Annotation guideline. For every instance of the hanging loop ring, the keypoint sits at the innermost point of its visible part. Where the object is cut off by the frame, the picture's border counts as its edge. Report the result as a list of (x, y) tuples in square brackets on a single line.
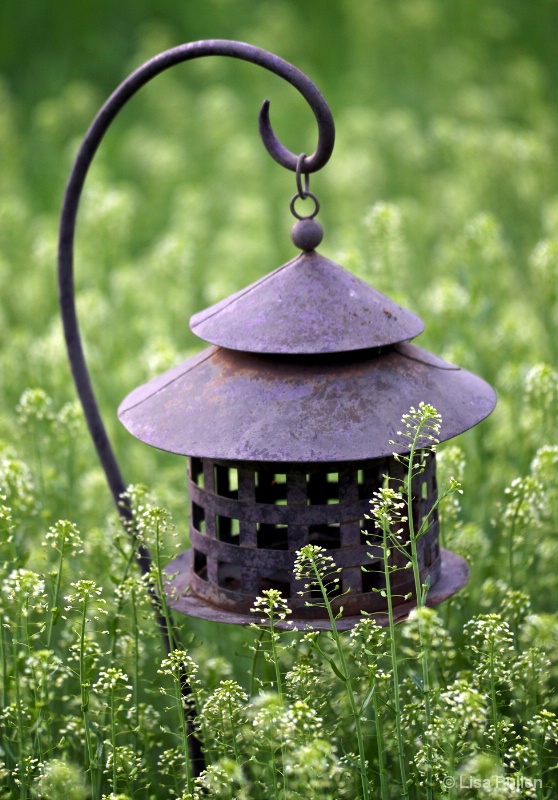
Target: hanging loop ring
[(302, 192), (300, 197)]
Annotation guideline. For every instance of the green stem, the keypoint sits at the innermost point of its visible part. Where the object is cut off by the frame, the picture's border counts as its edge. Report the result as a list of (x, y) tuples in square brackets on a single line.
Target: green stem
[(20, 739), (348, 684), (184, 733), (494, 700), (451, 769), (55, 610), (274, 774), (36, 441), (112, 651), (384, 785), (511, 538), (37, 705), (393, 651), (5, 690), (421, 603), (275, 657), (160, 584), (70, 472), (113, 642), (254, 663), (135, 686), (90, 757), (233, 735), (113, 741), (539, 750), (4, 661), (53, 619)]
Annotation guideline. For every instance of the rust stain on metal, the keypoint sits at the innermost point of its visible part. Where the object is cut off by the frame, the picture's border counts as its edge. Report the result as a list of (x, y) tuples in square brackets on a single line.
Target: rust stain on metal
[(310, 305), (238, 406)]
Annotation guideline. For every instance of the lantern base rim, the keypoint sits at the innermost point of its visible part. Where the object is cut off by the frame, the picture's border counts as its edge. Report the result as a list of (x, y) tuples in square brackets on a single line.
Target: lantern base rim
[(454, 575)]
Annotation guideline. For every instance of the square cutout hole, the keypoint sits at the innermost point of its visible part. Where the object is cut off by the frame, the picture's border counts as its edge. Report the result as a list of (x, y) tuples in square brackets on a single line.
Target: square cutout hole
[(200, 565), (227, 529), (272, 537), (328, 536)]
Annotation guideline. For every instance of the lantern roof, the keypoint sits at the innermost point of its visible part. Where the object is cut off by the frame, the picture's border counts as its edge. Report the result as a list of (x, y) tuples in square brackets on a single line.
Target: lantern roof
[(309, 305), (238, 406), (308, 365)]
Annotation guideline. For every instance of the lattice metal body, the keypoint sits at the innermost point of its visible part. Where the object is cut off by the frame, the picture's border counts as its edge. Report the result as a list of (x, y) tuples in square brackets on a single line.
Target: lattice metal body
[(287, 447), (247, 522)]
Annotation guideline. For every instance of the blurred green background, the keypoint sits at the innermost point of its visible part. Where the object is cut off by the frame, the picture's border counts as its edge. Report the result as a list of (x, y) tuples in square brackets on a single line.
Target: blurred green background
[(442, 192)]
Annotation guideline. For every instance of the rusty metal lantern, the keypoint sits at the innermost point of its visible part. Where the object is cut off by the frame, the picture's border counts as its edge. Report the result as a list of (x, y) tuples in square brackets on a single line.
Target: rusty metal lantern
[(286, 422), (286, 418)]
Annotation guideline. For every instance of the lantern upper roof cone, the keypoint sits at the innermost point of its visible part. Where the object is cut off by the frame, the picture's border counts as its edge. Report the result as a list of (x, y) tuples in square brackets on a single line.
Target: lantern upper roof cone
[(309, 305), (309, 364)]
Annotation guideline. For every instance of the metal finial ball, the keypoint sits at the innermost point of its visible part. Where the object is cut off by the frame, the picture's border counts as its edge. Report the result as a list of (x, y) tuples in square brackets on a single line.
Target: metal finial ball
[(307, 234)]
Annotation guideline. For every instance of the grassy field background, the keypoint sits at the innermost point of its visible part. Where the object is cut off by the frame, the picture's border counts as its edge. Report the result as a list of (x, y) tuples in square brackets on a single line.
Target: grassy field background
[(442, 192)]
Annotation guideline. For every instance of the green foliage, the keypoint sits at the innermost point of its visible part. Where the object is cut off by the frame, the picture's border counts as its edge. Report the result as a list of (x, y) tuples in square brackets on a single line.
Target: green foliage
[(443, 193)]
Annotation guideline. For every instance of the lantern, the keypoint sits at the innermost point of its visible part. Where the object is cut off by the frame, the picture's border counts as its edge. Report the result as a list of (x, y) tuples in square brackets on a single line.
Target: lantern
[(286, 419)]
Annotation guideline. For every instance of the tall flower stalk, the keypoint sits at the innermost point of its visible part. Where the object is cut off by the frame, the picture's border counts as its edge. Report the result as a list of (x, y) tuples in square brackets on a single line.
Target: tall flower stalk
[(392, 509), (368, 648), (386, 511), (65, 540), (490, 641), (86, 600), (319, 570), (111, 682), (421, 428), (182, 670), (274, 608)]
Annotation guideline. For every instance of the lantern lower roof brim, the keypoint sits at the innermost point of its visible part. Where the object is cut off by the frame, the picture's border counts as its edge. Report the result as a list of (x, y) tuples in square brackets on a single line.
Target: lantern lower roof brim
[(228, 405), (454, 574), (309, 305)]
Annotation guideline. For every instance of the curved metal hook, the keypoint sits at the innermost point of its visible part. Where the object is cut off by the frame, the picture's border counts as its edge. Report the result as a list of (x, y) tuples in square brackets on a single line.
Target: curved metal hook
[(86, 153), (326, 140)]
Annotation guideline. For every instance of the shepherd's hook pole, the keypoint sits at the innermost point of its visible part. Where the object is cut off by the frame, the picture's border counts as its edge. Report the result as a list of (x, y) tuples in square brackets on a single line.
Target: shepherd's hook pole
[(86, 153)]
